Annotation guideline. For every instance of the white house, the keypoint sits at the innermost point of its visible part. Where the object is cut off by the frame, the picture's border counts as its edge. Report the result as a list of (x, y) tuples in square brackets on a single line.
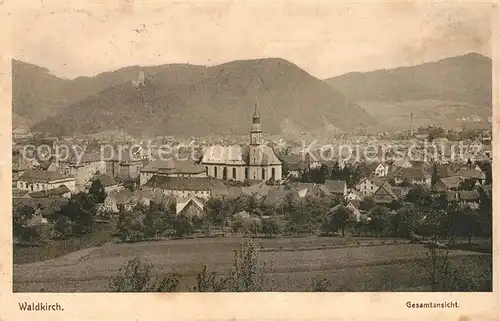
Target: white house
[(381, 170), (35, 180)]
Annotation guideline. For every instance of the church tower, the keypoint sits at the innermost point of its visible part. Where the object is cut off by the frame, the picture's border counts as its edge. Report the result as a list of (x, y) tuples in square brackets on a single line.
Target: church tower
[(256, 130)]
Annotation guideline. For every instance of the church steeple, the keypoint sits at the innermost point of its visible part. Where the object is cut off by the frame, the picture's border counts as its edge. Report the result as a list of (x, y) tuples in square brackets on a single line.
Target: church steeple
[(256, 116), (256, 130)]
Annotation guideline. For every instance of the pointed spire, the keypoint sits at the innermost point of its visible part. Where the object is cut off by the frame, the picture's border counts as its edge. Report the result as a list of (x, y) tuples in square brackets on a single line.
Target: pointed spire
[(255, 112)]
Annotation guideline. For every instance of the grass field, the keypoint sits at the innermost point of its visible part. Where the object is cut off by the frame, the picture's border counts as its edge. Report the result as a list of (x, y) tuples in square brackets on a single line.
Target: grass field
[(52, 249), (384, 267)]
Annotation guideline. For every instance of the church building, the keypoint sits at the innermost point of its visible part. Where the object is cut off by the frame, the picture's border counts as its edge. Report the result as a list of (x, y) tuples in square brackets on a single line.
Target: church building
[(256, 161)]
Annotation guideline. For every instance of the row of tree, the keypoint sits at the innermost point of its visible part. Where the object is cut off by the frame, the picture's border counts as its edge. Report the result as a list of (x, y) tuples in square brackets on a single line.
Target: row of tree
[(74, 218)]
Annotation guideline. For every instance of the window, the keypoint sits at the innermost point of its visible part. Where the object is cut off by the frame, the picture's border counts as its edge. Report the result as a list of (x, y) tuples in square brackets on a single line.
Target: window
[(224, 173), (37, 186), (215, 172), (246, 172), (234, 172), (273, 173), (263, 173)]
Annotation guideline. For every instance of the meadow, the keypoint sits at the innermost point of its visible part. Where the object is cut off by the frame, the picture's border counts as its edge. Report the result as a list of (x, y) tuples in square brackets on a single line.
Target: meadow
[(350, 264)]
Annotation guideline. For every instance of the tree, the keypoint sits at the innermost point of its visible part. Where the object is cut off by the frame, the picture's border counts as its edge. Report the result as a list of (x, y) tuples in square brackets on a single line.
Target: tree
[(467, 185), (207, 282), (182, 226), (270, 227), (20, 217), (367, 203), (245, 275), (97, 191), (435, 176), (216, 212), (63, 227), (320, 284), (136, 277), (472, 224), (337, 219), (379, 220), (419, 196), (131, 226), (405, 222)]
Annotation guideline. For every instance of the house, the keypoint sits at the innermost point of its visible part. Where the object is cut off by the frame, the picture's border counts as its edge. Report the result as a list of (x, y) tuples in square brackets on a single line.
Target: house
[(295, 164), (401, 191), (126, 200), (381, 170), (472, 174), (402, 163), (420, 164), (18, 193), (353, 195), (189, 207), (37, 219), (49, 165), (445, 184), (61, 191), (412, 175), (115, 201), (276, 196), (171, 168), (20, 165), (200, 187), (85, 168), (258, 190), (384, 195), (353, 206), (307, 189), (35, 180), (368, 186), (108, 182), (122, 163), (469, 198), (336, 187)]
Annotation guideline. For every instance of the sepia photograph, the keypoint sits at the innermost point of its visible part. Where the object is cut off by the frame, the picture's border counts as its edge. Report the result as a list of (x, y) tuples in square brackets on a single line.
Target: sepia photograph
[(252, 147)]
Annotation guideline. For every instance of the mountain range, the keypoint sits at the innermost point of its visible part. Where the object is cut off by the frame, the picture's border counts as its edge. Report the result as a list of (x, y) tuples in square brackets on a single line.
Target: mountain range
[(436, 93), (191, 100)]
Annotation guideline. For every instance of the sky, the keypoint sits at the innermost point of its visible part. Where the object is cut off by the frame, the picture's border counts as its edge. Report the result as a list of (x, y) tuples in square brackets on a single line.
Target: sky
[(324, 38)]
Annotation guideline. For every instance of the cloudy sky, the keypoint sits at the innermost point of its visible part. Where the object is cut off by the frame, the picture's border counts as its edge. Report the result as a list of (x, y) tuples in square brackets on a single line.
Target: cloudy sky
[(324, 38)]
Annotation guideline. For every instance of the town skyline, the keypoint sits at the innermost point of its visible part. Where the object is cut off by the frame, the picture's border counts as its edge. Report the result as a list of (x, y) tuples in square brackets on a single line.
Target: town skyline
[(345, 37)]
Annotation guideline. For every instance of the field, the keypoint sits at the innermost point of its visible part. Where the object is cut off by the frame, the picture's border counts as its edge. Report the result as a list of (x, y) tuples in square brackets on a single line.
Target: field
[(291, 263)]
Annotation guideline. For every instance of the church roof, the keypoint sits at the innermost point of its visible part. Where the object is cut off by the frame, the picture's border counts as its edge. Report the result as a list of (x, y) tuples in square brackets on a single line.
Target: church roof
[(219, 154), (263, 155)]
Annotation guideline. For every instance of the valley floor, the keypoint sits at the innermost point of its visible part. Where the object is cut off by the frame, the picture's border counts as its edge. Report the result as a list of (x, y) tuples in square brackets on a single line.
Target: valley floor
[(290, 263)]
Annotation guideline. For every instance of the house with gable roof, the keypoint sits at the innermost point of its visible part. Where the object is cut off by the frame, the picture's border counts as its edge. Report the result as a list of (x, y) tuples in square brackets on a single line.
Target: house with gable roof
[(384, 195)]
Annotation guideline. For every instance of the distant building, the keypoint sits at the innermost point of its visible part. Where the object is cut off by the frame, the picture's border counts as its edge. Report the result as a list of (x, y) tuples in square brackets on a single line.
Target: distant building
[(199, 187), (254, 162), (336, 187), (171, 168), (412, 175), (108, 182)]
